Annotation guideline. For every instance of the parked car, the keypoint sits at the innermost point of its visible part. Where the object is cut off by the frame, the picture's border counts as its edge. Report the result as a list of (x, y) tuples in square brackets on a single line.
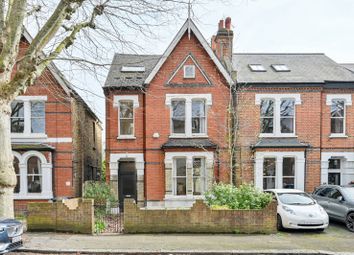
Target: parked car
[(10, 235), (297, 210), (338, 201)]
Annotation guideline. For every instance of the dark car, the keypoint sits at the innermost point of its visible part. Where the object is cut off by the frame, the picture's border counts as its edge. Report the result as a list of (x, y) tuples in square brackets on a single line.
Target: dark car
[(338, 201), (10, 235)]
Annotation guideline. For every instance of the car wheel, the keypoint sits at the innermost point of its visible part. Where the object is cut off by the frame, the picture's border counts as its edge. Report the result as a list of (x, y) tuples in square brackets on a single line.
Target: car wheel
[(349, 221), (279, 223)]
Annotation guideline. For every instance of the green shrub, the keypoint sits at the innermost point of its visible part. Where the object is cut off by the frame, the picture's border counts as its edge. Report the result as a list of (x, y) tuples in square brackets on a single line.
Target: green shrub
[(101, 192), (244, 197), (100, 226)]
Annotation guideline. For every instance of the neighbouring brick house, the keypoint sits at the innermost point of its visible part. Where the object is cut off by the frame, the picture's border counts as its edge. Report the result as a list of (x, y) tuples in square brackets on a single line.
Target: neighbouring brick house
[(196, 114), (56, 139)]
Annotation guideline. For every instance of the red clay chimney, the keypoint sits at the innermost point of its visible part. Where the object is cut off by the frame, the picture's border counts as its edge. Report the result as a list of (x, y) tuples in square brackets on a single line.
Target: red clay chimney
[(222, 42)]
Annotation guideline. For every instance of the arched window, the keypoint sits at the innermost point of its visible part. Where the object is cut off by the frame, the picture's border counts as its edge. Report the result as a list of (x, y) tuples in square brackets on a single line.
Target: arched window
[(17, 171), (34, 175)]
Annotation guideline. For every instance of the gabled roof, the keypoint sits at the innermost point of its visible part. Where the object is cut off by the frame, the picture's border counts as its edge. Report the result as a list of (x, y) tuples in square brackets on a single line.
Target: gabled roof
[(117, 78), (304, 68), (349, 66), (189, 25), (63, 82)]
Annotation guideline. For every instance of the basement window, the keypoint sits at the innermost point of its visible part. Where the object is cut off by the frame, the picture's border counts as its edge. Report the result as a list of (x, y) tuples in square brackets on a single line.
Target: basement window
[(132, 69), (257, 68), (280, 68)]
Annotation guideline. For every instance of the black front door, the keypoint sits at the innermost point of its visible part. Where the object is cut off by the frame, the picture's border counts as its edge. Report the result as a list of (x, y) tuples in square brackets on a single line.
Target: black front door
[(126, 181), (334, 178)]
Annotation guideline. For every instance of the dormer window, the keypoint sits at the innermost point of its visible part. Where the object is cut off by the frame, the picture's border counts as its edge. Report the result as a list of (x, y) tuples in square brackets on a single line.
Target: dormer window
[(189, 71)]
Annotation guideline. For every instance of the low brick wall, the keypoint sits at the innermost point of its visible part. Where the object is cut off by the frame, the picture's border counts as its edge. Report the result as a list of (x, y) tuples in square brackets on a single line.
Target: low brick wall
[(199, 219), (72, 215)]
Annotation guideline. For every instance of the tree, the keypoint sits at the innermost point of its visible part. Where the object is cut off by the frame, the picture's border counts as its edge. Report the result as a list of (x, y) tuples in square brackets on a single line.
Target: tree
[(60, 23)]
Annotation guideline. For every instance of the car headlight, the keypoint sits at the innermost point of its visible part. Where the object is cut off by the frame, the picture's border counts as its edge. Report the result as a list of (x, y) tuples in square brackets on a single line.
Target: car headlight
[(289, 210)]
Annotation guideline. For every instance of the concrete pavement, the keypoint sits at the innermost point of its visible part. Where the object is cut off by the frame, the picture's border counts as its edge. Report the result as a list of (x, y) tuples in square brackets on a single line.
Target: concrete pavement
[(336, 239)]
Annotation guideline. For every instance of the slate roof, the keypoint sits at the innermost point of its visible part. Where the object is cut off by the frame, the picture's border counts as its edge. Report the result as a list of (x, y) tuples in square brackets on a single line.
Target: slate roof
[(349, 66), (38, 147), (304, 68), (189, 143), (116, 78), (279, 143)]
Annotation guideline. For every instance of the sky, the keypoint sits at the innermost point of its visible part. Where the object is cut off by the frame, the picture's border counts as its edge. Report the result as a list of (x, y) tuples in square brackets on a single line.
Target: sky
[(292, 26)]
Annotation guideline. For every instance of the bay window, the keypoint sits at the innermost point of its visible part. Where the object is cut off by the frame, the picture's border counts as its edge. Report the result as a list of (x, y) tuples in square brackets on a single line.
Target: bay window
[(34, 175), (269, 173), (288, 173)]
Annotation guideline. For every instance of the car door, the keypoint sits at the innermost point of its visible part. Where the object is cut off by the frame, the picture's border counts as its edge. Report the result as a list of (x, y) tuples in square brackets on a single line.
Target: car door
[(321, 196), (337, 205)]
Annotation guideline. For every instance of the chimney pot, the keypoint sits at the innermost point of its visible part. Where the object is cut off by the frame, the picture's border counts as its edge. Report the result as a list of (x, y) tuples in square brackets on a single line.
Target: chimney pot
[(221, 24), (228, 23)]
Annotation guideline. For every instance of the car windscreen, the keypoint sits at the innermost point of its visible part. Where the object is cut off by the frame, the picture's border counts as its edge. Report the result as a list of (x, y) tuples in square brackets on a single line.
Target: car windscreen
[(349, 191), (295, 199)]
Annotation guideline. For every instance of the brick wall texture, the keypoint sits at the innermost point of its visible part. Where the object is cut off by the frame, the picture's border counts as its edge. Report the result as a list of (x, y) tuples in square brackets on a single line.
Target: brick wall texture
[(199, 219), (73, 215)]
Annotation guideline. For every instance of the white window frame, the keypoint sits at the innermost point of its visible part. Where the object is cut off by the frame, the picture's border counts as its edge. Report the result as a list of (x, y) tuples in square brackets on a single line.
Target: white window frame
[(27, 134), (46, 168), (175, 177), (347, 98), (185, 74), (347, 162), (299, 168), (116, 103), (276, 120), (207, 98), (202, 175)]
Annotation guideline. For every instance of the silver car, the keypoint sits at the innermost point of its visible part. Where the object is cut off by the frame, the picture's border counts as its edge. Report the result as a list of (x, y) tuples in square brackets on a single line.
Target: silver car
[(338, 201)]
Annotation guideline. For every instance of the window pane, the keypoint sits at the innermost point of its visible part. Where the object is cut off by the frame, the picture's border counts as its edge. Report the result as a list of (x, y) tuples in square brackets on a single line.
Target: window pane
[(337, 125), (17, 109), (181, 186), (269, 183), (17, 117), (334, 164), (126, 109), (269, 167), (288, 166), (198, 173), (37, 109), (267, 108), (198, 125), (198, 108), (287, 125), (267, 125), (126, 126), (38, 125), (287, 107), (17, 125), (197, 186), (181, 167), (34, 172), (337, 108), (289, 183), (197, 166), (17, 171), (178, 116)]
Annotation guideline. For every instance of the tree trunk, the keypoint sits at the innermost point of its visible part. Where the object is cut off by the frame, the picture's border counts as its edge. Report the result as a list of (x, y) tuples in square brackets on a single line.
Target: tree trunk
[(7, 173)]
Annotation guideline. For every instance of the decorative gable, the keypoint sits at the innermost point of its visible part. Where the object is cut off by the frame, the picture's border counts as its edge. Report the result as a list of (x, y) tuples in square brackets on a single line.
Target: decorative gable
[(189, 73)]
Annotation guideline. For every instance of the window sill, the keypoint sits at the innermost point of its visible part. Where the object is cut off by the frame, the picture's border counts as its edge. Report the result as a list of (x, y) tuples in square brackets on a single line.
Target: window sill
[(278, 135), (33, 196), (127, 137), (338, 136), (187, 136), (21, 137)]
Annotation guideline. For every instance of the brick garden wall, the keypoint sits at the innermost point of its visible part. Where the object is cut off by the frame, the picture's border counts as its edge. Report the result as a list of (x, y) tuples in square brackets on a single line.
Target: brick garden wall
[(199, 219), (73, 215)]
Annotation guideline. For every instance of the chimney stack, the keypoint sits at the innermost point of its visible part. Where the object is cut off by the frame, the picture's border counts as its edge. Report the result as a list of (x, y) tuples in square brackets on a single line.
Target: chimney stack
[(221, 43)]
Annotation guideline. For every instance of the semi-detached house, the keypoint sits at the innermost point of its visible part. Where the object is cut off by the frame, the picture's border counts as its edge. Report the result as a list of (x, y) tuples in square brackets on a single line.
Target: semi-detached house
[(199, 113)]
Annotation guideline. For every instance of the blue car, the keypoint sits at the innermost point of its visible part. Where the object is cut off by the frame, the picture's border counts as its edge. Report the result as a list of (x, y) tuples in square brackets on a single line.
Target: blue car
[(10, 235)]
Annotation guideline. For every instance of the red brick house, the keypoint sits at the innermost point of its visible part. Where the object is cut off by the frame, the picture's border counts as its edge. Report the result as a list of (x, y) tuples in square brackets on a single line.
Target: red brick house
[(198, 113), (56, 139)]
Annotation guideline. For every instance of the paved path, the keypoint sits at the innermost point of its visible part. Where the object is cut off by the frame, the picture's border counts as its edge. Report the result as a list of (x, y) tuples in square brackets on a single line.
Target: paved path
[(335, 239)]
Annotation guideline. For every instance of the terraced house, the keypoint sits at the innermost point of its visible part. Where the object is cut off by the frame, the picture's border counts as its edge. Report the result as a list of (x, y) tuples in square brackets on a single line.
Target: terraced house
[(200, 113), (56, 139)]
